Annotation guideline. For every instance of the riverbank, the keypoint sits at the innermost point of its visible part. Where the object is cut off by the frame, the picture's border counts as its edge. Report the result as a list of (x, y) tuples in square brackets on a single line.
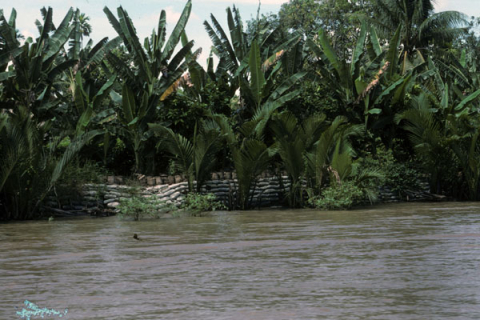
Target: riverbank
[(169, 191)]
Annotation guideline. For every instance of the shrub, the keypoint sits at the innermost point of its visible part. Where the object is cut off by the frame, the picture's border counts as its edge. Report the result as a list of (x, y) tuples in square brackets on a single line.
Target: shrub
[(338, 196), (399, 176), (197, 203), (138, 207), (75, 176)]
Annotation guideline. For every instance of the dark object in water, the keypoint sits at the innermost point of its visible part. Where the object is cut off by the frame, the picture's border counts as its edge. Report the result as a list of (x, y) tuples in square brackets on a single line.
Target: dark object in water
[(136, 237)]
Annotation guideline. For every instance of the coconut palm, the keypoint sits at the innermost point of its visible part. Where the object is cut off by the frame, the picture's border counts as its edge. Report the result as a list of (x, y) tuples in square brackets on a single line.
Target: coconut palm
[(420, 25), (81, 28)]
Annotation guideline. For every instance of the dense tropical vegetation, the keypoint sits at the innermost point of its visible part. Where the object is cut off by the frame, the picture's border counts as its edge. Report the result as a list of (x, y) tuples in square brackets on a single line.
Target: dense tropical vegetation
[(373, 92)]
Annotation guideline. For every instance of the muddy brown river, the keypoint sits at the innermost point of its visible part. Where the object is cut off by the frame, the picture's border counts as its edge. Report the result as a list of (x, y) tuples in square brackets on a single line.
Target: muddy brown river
[(401, 261)]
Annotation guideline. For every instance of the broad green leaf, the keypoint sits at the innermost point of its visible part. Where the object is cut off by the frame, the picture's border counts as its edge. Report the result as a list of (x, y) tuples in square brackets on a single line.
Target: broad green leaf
[(374, 41), (131, 123), (5, 75), (463, 58), (401, 90), (392, 54), (84, 120), (444, 102), (360, 86), (386, 92), (60, 37), (328, 51), (103, 92), (128, 103), (374, 111), (286, 86), (177, 32), (359, 50), (236, 33), (257, 81), (462, 105), (7, 56)]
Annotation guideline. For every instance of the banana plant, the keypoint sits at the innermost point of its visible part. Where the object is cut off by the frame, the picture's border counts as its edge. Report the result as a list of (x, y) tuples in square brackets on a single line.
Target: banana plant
[(210, 87), (351, 79), (81, 28), (250, 154), (30, 83), (89, 102), (371, 77), (154, 68), (230, 53), (450, 87), (263, 94), (9, 45), (252, 65)]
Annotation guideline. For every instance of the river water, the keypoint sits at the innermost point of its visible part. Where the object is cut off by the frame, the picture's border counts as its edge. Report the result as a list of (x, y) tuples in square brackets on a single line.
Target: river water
[(402, 261)]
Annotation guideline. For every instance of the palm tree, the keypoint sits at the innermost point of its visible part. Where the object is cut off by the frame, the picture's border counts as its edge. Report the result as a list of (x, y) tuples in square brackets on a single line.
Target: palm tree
[(250, 155), (443, 126), (29, 164), (420, 25), (195, 158), (81, 28), (292, 141), (85, 27)]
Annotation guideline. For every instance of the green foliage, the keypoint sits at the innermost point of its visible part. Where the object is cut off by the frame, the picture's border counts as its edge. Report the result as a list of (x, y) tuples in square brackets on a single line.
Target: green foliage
[(30, 83), (75, 176), (292, 141), (251, 156), (338, 197), (401, 176), (418, 23), (149, 77), (301, 15), (443, 126), (138, 208), (172, 169), (196, 203), (314, 98), (196, 157), (406, 80), (340, 18), (79, 174), (30, 166), (182, 113)]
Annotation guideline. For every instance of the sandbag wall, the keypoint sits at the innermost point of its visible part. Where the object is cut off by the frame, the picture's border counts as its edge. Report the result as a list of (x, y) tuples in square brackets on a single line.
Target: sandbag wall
[(171, 190)]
